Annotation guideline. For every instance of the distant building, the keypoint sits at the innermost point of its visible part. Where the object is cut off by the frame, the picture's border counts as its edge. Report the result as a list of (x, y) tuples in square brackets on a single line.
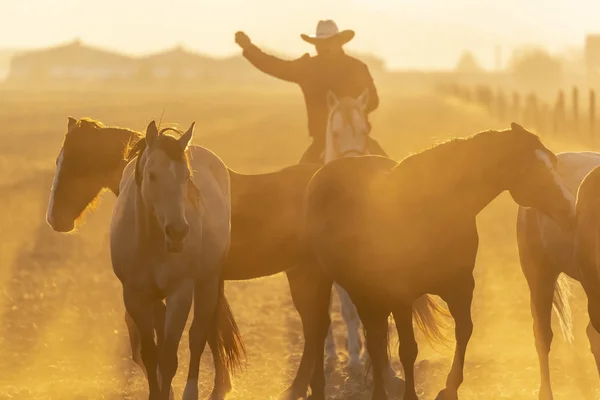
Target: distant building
[(73, 62), (592, 59), (175, 63)]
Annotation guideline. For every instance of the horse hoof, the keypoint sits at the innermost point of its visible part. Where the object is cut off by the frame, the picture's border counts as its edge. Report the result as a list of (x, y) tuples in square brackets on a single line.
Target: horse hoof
[(191, 391), (216, 396), (446, 395), (330, 364), (395, 386), (291, 394)]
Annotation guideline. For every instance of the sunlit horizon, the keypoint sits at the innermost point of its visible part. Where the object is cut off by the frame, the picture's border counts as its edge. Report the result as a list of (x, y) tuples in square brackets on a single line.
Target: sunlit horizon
[(428, 34)]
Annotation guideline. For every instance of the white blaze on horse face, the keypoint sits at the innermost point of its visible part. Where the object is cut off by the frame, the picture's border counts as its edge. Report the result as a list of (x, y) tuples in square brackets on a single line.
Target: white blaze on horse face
[(50, 211), (543, 156), (346, 137), (173, 169), (336, 126), (359, 122)]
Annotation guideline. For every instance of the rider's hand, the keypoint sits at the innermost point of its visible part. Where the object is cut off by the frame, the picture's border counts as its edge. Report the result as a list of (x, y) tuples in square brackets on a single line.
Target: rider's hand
[(242, 40)]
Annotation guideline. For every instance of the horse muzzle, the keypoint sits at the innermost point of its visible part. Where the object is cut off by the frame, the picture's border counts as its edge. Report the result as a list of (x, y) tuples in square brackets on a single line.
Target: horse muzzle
[(60, 224), (175, 235)]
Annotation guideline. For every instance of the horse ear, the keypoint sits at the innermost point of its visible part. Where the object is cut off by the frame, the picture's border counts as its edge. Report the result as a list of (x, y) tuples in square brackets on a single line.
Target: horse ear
[(151, 134), (332, 99), (186, 138), (71, 123), (363, 99), (516, 127)]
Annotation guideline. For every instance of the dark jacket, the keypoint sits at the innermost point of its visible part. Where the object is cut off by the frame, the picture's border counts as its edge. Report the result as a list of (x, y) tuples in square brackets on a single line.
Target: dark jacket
[(340, 73)]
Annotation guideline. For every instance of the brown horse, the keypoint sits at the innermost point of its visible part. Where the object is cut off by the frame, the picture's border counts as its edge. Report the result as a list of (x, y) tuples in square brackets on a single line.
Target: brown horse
[(546, 255), (388, 232)]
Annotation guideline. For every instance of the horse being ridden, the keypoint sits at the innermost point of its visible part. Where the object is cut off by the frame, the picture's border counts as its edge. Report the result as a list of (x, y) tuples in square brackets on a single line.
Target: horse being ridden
[(546, 256), (347, 134), (169, 236), (389, 233)]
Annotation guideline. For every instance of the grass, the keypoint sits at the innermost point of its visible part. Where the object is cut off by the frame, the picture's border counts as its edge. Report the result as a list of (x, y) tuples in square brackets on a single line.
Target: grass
[(62, 334)]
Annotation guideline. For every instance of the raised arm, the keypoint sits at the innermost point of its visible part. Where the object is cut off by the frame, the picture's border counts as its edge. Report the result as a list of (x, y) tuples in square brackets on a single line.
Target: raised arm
[(287, 70)]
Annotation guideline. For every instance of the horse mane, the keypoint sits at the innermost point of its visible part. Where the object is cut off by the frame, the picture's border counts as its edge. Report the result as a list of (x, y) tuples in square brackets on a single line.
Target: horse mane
[(442, 160), (89, 123)]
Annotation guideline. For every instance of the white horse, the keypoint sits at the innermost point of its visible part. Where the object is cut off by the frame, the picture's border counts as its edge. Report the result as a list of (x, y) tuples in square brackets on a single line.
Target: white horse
[(347, 136), (545, 253), (169, 236)]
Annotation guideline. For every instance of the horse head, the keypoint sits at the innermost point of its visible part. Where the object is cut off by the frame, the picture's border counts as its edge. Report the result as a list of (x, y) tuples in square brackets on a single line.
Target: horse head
[(347, 127)]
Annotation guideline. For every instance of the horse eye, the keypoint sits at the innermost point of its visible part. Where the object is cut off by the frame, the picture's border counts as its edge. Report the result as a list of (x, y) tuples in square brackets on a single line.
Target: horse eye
[(152, 176)]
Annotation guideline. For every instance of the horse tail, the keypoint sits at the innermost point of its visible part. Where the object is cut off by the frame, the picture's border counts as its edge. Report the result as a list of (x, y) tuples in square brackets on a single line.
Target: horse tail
[(427, 314), (562, 307), (226, 335)]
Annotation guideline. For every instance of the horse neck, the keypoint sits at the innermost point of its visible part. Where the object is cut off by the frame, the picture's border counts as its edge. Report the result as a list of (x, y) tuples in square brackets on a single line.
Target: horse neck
[(117, 140), (464, 192)]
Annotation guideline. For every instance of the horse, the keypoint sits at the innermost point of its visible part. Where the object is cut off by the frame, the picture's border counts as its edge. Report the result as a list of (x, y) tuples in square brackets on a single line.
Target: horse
[(390, 232), (346, 136), (169, 234), (91, 162), (546, 257)]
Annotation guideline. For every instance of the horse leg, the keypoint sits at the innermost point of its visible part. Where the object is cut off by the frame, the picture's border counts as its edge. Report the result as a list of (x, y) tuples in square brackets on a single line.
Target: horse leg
[(311, 292), (204, 317), (160, 312), (134, 336), (135, 342), (593, 328), (541, 291), (178, 309), (331, 356), (408, 349), (354, 342), (459, 297), (143, 330), (375, 323)]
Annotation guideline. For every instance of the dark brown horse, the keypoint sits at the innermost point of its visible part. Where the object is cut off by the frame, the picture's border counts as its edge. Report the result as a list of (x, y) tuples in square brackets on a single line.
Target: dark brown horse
[(389, 233), (546, 255)]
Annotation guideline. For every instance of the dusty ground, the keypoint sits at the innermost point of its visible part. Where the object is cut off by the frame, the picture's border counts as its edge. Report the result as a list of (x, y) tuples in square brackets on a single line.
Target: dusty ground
[(62, 334)]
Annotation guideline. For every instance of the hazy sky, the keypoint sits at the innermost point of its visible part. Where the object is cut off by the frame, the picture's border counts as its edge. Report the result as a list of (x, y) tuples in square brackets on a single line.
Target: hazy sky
[(406, 33)]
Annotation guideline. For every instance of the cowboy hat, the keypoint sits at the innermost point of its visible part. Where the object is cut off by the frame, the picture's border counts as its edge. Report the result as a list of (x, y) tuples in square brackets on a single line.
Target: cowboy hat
[(328, 30)]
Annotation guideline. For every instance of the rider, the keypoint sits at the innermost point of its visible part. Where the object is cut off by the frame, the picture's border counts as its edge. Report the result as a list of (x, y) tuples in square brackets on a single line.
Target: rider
[(331, 69)]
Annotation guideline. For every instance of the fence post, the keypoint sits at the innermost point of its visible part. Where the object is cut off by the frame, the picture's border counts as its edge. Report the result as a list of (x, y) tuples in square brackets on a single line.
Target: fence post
[(592, 114), (575, 109), (559, 113)]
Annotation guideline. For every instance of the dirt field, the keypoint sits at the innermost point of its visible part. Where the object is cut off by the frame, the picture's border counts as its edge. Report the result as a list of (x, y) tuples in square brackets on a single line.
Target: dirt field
[(62, 334)]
